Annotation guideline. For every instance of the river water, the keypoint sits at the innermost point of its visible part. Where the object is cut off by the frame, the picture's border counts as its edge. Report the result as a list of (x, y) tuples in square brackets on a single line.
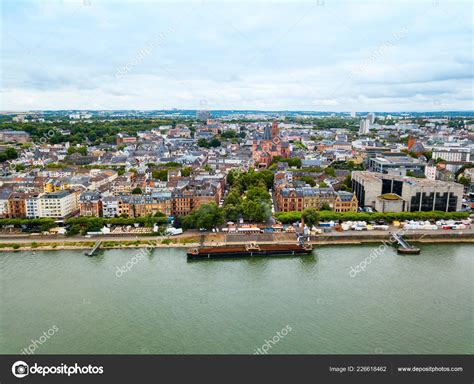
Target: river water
[(64, 302)]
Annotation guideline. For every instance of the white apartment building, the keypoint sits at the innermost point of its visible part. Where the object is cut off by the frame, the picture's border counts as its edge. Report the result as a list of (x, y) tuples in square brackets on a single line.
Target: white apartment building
[(110, 206), (430, 171), (452, 153), (31, 206), (364, 128), (58, 204), (3, 206)]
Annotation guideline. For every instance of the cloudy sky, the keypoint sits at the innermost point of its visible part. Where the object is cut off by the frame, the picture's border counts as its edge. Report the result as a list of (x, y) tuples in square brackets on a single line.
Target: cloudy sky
[(321, 55)]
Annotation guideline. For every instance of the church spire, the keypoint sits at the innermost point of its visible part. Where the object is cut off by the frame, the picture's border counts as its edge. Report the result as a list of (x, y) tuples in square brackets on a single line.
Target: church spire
[(267, 135)]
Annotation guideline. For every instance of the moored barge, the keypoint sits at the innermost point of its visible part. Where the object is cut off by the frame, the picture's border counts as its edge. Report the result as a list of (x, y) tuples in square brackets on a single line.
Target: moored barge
[(249, 250)]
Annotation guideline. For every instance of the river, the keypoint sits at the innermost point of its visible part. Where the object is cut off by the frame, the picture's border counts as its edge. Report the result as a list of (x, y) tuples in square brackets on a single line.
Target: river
[(64, 302)]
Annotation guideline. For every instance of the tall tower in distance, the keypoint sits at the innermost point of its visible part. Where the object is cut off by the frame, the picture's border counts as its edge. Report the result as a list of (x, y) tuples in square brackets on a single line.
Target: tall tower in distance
[(275, 130)]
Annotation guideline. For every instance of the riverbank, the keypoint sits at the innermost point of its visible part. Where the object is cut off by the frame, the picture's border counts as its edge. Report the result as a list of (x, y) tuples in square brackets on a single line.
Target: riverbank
[(54, 243)]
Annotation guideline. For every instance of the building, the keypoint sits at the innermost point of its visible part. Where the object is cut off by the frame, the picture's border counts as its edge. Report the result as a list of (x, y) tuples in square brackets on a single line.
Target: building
[(137, 205), (163, 202), (265, 149), (390, 202), (430, 170), (394, 161), (203, 115), (364, 127), (275, 131), (452, 154), (182, 203), (17, 205), (14, 136), (58, 205), (4, 195), (52, 185), (125, 139), (371, 117), (90, 204), (345, 202), (292, 199), (300, 198), (419, 194), (31, 204), (110, 206)]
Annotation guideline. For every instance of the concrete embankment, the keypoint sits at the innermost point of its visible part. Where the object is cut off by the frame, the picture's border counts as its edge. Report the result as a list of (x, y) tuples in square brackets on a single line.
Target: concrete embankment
[(44, 243), (439, 236)]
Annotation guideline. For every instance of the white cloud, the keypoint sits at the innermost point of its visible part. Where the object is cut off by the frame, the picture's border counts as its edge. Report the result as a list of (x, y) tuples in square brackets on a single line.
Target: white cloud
[(336, 56)]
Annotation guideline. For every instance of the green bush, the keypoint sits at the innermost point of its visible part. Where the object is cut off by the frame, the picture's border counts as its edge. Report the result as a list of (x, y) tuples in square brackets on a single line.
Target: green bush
[(291, 217)]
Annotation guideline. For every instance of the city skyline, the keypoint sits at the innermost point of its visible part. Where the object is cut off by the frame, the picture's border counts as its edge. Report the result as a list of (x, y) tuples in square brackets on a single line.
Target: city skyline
[(373, 56)]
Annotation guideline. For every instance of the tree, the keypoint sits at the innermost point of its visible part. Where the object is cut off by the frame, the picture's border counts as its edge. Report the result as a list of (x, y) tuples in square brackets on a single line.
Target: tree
[(322, 184), (74, 230), (203, 143), (186, 171), (232, 176), (256, 211), (215, 142), (330, 171), (229, 134), (325, 207), (464, 181), (232, 212), (19, 167), (308, 180), (207, 216), (310, 216), (251, 177), (292, 162), (137, 191), (233, 198), (258, 194), (11, 153), (161, 174)]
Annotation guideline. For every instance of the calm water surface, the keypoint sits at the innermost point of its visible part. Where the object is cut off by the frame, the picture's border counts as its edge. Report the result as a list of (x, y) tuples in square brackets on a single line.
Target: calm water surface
[(165, 304)]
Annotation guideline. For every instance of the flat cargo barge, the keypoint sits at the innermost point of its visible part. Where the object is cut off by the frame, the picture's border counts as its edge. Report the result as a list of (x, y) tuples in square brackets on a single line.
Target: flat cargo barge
[(249, 250)]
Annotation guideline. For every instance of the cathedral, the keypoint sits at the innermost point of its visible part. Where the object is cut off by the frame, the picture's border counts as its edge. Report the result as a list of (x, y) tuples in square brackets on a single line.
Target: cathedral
[(271, 145)]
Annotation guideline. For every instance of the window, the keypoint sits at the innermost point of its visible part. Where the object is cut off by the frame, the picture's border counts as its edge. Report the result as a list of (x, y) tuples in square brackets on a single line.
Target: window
[(415, 202), (441, 201), (427, 201), (453, 199)]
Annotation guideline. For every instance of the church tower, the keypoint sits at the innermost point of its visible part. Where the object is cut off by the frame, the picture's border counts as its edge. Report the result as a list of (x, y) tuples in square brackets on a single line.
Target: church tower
[(275, 130), (267, 134)]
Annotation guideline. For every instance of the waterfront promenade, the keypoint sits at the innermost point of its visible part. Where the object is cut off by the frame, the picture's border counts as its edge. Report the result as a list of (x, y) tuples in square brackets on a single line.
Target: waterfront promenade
[(192, 239)]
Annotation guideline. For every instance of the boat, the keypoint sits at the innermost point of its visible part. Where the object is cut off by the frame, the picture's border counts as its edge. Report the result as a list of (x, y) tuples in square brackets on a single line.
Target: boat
[(249, 250), (408, 251)]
